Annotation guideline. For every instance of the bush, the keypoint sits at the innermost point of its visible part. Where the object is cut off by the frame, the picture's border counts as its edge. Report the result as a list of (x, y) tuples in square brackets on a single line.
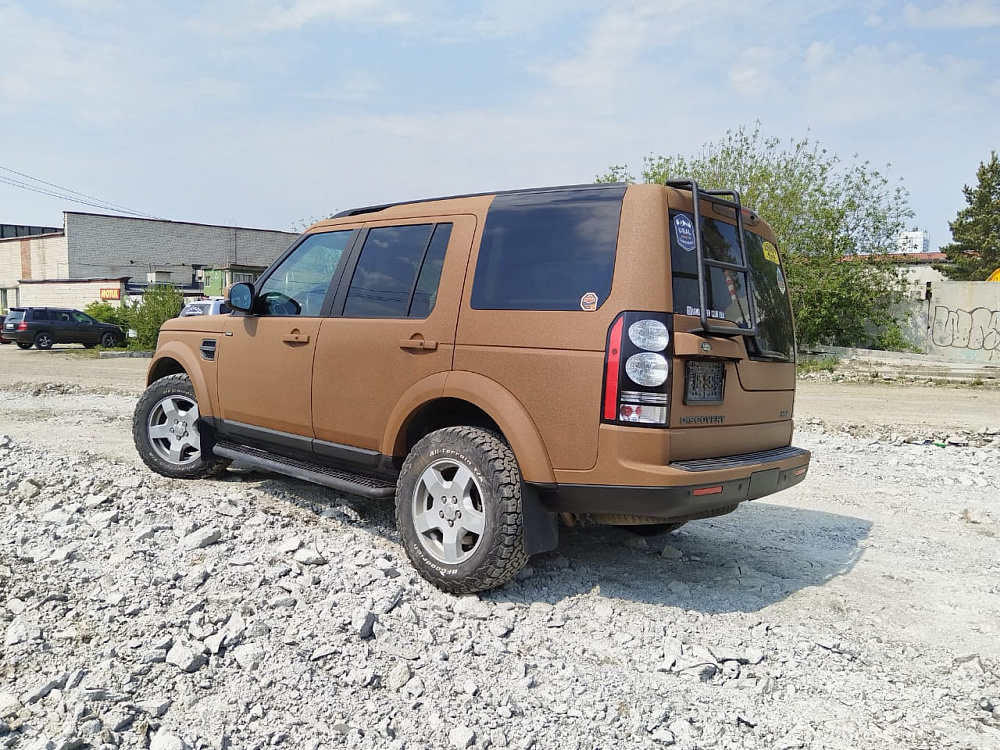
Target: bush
[(159, 304), (119, 315)]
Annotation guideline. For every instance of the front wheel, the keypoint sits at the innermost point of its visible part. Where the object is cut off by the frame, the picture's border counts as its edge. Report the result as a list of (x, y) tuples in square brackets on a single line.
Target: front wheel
[(109, 340), (167, 431), (458, 510)]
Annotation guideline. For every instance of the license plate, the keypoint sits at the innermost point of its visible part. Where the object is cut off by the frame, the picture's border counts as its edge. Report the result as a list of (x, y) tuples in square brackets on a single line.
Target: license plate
[(704, 382)]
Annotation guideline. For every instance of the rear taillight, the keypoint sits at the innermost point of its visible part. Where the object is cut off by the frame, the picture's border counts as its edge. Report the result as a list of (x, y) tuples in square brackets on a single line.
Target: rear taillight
[(637, 371), (22, 326)]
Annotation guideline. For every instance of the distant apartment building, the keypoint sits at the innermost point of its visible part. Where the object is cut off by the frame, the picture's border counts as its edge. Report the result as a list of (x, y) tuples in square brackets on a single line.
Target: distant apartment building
[(916, 241), (92, 254)]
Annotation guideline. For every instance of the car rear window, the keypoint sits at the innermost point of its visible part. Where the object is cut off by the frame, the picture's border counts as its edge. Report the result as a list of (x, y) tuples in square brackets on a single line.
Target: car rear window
[(15, 315), (550, 250)]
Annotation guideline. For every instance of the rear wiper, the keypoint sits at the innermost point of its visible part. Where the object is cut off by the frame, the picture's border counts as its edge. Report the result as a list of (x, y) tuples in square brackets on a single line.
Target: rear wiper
[(773, 356)]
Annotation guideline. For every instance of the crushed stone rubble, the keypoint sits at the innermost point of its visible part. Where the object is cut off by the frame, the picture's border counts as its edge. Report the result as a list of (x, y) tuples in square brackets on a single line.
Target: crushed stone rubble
[(142, 612)]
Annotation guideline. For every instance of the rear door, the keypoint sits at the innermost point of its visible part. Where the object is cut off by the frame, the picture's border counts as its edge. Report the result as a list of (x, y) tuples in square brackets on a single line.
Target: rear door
[(393, 324)]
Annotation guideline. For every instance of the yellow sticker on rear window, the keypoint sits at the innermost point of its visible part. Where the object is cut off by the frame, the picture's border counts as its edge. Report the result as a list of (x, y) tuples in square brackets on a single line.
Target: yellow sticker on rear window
[(771, 252)]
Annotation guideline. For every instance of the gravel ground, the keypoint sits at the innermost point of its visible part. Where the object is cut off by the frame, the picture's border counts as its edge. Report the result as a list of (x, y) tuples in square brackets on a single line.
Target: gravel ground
[(857, 610)]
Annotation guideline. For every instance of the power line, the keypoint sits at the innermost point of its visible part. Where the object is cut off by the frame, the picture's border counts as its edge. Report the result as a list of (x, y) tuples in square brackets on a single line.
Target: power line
[(67, 194)]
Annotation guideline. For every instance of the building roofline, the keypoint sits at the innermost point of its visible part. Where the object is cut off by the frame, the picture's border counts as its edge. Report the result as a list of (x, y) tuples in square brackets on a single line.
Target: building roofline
[(60, 233), (171, 221), (75, 281)]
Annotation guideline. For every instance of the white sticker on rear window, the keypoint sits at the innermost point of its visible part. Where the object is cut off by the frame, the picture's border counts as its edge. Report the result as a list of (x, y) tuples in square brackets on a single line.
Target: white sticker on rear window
[(684, 229), (781, 280)]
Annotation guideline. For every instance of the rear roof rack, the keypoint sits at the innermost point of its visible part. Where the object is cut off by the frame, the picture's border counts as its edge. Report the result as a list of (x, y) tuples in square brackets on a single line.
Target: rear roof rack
[(729, 199), (383, 206)]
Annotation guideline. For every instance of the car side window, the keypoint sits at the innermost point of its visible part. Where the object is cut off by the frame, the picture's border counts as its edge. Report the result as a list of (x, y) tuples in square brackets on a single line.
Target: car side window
[(80, 317), (299, 284), (550, 250), (398, 272)]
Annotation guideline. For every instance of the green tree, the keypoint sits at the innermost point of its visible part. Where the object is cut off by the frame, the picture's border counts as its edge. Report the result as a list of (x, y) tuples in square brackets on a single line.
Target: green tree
[(975, 251), (834, 223), (159, 304)]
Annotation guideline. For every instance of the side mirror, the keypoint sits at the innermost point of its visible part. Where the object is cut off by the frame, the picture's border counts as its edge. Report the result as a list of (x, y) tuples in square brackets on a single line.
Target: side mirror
[(240, 297)]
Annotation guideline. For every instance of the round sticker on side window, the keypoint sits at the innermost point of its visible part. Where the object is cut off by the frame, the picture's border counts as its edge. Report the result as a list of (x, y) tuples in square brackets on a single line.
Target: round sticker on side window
[(781, 280), (588, 302), (684, 229)]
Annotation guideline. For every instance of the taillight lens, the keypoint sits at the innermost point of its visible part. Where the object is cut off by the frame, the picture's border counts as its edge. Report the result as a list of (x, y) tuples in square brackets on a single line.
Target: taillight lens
[(647, 368), (649, 334), (637, 370), (22, 326)]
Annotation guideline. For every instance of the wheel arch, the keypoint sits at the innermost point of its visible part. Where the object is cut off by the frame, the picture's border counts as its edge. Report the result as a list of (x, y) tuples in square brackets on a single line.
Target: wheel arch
[(174, 359), (465, 398)]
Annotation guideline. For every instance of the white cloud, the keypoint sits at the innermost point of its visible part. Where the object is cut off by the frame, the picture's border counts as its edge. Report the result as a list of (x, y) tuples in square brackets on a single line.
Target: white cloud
[(756, 72), (954, 14), (236, 17)]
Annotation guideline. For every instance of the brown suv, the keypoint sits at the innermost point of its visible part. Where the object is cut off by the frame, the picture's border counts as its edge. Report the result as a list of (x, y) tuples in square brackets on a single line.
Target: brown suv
[(493, 361)]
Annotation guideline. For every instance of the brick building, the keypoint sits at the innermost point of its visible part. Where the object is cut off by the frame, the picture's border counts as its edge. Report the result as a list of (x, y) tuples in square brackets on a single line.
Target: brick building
[(93, 252)]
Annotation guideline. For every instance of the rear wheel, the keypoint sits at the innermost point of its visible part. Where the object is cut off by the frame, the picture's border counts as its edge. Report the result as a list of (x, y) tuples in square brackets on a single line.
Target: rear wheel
[(166, 430), (458, 510), (44, 340)]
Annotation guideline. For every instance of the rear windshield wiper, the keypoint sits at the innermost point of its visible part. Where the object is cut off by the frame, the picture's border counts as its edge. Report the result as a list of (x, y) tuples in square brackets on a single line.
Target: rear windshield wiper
[(773, 356)]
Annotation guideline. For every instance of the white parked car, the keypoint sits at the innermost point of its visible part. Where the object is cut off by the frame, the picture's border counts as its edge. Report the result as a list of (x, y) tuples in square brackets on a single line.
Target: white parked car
[(212, 306)]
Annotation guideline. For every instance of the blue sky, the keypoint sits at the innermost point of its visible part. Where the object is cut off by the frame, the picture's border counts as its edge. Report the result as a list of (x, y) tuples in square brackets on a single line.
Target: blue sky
[(268, 113)]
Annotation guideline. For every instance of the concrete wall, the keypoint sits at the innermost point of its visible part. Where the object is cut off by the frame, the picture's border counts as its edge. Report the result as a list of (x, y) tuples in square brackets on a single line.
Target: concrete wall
[(119, 246), (960, 322), (41, 257), (75, 293)]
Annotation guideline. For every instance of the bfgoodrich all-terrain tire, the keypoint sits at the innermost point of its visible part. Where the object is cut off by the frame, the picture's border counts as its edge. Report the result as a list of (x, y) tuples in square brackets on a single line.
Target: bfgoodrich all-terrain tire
[(166, 429), (458, 510)]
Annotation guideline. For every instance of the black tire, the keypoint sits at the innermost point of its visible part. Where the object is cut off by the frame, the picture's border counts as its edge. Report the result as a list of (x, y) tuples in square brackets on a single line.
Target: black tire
[(489, 546), (23, 345), (167, 441), (109, 340), (43, 340)]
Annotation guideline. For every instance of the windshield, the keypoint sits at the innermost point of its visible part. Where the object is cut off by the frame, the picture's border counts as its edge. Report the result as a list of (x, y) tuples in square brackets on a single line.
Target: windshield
[(726, 290)]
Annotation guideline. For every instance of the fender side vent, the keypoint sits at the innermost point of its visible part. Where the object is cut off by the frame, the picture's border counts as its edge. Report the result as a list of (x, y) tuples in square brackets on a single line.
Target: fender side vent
[(208, 349)]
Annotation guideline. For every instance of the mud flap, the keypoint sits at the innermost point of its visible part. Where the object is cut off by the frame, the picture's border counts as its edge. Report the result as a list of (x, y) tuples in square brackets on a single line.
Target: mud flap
[(540, 527)]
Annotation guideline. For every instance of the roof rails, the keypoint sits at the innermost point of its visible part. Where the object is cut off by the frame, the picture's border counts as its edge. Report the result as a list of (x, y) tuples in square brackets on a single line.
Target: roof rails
[(718, 197), (382, 207)]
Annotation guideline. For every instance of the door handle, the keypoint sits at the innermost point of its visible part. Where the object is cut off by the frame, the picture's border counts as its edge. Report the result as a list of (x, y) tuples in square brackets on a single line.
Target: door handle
[(295, 338), (420, 344)]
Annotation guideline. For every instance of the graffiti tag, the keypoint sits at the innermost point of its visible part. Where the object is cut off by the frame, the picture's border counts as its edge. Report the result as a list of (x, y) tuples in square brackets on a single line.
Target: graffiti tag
[(977, 329)]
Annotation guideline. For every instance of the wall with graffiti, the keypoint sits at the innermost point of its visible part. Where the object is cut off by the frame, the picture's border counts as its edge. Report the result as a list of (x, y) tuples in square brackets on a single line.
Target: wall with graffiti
[(962, 320)]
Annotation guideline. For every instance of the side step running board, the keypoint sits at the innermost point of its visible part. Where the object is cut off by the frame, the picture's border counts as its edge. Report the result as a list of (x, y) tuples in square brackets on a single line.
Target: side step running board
[(344, 481)]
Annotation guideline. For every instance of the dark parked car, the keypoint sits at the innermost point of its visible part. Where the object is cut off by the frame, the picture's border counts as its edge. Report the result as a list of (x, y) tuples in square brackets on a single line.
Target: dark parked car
[(45, 326), (2, 339)]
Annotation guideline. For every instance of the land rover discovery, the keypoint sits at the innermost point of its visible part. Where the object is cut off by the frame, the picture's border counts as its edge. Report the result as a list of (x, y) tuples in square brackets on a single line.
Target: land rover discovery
[(494, 361)]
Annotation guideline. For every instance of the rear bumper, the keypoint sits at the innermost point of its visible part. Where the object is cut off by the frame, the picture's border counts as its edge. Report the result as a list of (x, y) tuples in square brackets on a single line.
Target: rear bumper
[(756, 475)]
